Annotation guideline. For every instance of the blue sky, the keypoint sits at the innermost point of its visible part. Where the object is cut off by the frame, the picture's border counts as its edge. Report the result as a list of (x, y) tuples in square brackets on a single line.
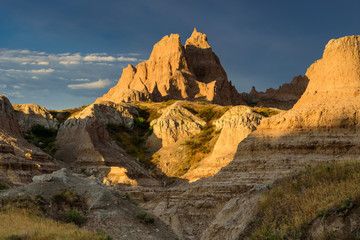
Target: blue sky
[(66, 53)]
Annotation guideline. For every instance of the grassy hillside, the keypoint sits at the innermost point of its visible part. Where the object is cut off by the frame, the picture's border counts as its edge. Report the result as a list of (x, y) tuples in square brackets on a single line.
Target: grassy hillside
[(288, 209)]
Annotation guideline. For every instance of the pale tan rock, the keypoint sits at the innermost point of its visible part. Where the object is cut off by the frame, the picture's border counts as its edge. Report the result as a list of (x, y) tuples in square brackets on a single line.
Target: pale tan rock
[(176, 123), (19, 160), (29, 115), (192, 72)]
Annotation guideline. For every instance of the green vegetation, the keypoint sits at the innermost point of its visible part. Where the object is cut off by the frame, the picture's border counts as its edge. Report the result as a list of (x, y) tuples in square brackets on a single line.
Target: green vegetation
[(68, 198), (74, 216), (266, 112), (292, 203), (201, 144), (42, 137), (145, 217), (4, 186)]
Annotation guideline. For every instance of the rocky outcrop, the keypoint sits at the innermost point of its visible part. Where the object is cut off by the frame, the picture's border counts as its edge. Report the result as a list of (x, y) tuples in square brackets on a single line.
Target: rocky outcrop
[(234, 126), (105, 208), (321, 127), (176, 123), (19, 160), (173, 71), (30, 115), (284, 97), (84, 143)]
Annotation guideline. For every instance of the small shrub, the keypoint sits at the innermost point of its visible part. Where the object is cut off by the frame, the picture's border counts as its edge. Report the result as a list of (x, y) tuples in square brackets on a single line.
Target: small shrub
[(145, 217), (74, 216), (4, 186)]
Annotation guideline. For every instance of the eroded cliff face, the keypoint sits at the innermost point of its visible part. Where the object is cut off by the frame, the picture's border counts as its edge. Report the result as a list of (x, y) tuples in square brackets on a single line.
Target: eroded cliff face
[(321, 127), (19, 160), (173, 71), (84, 143), (176, 123), (30, 115), (234, 126)]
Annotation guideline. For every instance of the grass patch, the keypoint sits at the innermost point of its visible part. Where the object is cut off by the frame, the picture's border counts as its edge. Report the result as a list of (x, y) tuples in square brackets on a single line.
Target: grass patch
[(292, 203), (22, 224), (74, 216), (198, 146), (145, 217), (266, 112), (4, 186), (43, 137)]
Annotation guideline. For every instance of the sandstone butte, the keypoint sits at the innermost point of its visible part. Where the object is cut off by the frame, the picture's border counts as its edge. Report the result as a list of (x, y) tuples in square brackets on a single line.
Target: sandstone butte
[(173, 71), (322, 127)]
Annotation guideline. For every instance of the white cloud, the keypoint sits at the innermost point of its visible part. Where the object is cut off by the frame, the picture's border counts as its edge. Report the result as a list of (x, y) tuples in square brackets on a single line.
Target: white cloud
[(34, 77), (16, 86), (96, 58), (2, 85), (49, 70), (101, 83), (69, 62), (126, 59), (43, 63)]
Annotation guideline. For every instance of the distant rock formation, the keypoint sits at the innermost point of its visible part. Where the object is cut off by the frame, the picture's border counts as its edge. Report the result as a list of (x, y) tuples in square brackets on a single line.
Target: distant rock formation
[(19, 160), (85, 144), (282, 98), (29, 115), (173, 71), (323, 126), (175, 123)]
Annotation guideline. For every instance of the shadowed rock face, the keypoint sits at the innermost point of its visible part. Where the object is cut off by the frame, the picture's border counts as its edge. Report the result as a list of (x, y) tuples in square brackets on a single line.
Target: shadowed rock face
[(173, 71), (284, 97), (19, 160), (84, 143), (321, 127)]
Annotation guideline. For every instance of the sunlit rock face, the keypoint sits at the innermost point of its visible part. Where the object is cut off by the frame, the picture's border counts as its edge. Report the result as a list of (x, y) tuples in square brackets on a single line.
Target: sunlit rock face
[(321, 127), (19, 160), (30, 115), (173, 71)]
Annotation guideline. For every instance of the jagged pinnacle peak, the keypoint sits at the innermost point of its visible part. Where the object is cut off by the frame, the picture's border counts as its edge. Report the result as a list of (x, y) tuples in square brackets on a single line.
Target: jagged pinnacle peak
[(197, 39)]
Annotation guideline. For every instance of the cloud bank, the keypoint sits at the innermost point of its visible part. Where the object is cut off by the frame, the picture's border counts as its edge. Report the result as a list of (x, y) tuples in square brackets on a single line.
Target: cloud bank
[(39, 77)]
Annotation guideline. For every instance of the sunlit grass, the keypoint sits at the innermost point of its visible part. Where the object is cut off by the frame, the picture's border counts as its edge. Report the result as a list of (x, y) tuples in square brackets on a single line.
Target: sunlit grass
[(22, 224), (293, 202)]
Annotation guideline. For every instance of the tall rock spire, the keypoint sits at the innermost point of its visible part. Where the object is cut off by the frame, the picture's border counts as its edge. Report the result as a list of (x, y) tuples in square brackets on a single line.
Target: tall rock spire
[(173, 71)]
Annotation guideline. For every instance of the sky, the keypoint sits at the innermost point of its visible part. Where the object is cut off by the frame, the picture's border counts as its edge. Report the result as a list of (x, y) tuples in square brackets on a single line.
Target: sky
[(66, 53)]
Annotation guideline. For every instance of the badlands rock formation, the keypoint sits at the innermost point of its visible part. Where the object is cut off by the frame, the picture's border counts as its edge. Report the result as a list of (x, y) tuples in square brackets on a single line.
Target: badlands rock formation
[(234, 126), (176, 123), (321, 127), (173, 71), (19, 160), (283, 98), (29, 115), (84, 143)]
